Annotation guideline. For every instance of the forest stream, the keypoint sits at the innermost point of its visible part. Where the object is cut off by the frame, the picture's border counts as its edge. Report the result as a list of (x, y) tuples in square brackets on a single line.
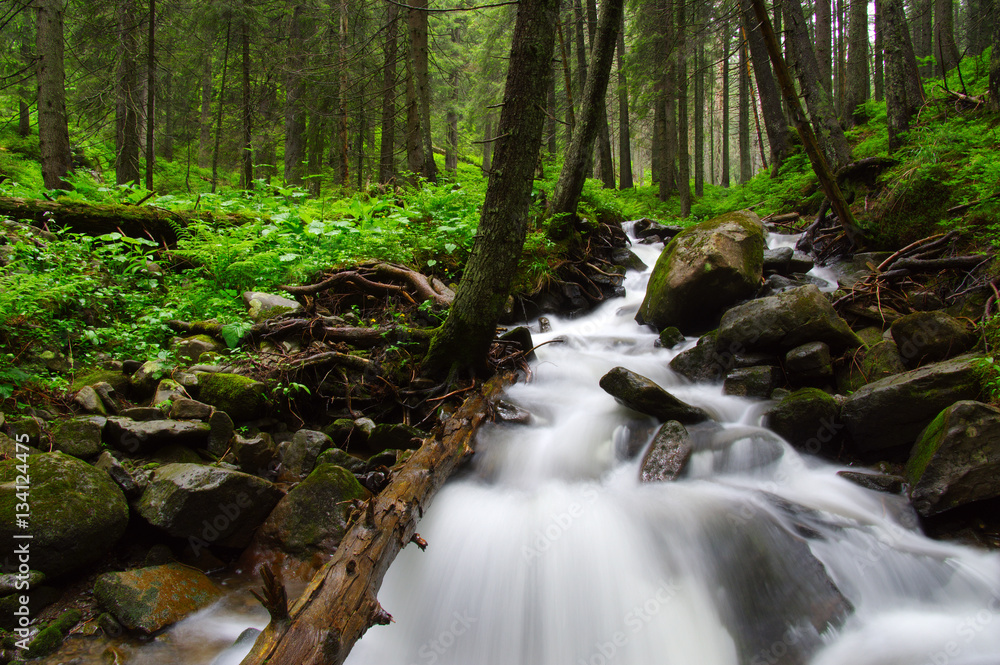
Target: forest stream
[(548, 549)]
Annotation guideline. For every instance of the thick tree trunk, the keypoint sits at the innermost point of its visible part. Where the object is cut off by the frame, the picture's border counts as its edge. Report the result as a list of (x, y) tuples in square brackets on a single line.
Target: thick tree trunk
[(726, 54), (994, 85), (316, 143), (53, 125), (340, 604), (414, 139), (487, 145), (126, 108), (568, 80), (295, 115), (656, 159), (683, 123), (150, 94), (945, 48), (624, 131), (828, 130), (550, 123), (340, 142), (419, 57), (923, 33), (25, 59), (246, 171), (775, 123), (858, 71), (743, 124), (824, 44), (904, 92), (699, 118), (205, 118), (569, 187), (464, 340), (878, 77), (387, 156)]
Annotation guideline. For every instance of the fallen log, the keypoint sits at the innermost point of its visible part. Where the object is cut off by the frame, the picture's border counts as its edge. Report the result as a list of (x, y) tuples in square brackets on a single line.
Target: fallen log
[(340, 603), (98, 219)]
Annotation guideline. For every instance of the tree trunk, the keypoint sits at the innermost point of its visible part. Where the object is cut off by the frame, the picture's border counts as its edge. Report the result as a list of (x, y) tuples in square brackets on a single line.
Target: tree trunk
[(775, 123), (205, 119), (824, 44), (726, 54), (815, 154), (464, 340), (904, 92), (295, 114), (451, 117), (25, 60), (994, 85), (683, 155), (829, 133), (743, 125), (218, 122), (624, 131), (126, 108), (53, 124), (487, 145), (658, 133), (945, 48), (387, 156), (340, 140), (699, 118), (246, 172), (569, 187), (316, 145), (550, 124), (879, 58), (419, 57), (605, 162), (858, 72), (668, 183), (923, 34), (340, 603), (150, 95), (568, 79), (414, 139)]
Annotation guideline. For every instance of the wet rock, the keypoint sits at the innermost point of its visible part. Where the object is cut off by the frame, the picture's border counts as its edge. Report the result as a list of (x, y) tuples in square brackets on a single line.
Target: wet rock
[(207, 504), (78, 513), (142, 413), (87, 399), (777, 324), (147, 377), (190, 349), (643, 395), (149, 599), (168, 390), (877, 362), (702, 362), (508, 412), (339, 457), (79, 437), (808, 363), (759, 381), (313, 517), (879, 482), (892, 412), (667, 455), (220, 435), (240, 397), (131, 486), (298, 457), (10, 448), (339, 430), (626, 258), (109, 396), (521, 337), (49, 638), (808, 419), (139, 438), (395, 436), (777, 260), (956, 460), (262, 306), (257, 454), (924, 337), (703, 270), (172, 452), (188, 409), (670, 337)]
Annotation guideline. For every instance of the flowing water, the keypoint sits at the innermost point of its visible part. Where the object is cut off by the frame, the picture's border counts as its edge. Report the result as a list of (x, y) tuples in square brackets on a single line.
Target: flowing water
[(548, 551)]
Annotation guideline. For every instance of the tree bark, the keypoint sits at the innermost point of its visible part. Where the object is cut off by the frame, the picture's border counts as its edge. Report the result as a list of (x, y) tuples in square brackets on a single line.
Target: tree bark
[(683, 155), (904, 93), (340, 141), (858, 71), (699, 118), (775, 123), (53, 124), (487, 145), (726, 54), (340, 603), (205, 118), (569, 187), (945, 48), (150, 95), (218, 121), (878, 49), (387, 157), (923, 33), (419, 57), (126, 108), (25, 59), (824, 44), (295, 115), (994, 85), (624, 131), (246, 171), (743, 123), (605, 162)]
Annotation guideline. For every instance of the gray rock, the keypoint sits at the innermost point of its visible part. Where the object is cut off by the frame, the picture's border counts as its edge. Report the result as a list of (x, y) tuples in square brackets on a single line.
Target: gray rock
[(779, 323), (240, 397), (189, 349), (667, 455), (142, 413), (261, 306), (299, 457), (892, 411), (956, 460), (877, 362), (221, 430), (339, 457), (130, 486), (670, 337), (809, 362), (643, 395), (149, 599), (207, 505), (147, 377), (878, 482), (88, 400), (185, 408), (777, 260), (256, 455), (138, 438), (759, 381), (395, 436), (703, 270), (924, 337), (702, 363), (79, 437), (168, 390), (808, 418)]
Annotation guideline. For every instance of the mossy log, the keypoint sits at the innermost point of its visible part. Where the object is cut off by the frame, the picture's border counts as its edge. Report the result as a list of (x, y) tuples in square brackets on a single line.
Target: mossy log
[(97, 219), (340, 603)]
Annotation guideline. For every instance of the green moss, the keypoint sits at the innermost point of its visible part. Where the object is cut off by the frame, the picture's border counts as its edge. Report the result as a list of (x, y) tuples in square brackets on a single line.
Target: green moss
[(240, 397), (925, 448), (89, 377), (49, 638)]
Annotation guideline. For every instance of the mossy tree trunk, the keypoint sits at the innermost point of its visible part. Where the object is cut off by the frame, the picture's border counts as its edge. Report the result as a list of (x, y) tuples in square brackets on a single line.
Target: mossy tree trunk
[(53, 125), (463, 342)]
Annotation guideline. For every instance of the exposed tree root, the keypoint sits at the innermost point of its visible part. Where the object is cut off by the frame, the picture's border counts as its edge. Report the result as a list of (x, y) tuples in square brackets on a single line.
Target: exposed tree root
[(414, 287)]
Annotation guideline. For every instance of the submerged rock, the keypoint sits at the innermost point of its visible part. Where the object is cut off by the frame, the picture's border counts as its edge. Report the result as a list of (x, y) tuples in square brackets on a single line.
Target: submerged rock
[(667, 455), (643, 395), (703, 270), (149, 599)]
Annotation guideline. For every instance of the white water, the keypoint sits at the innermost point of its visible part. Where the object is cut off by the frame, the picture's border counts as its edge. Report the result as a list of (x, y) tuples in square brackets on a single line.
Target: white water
[(548, 551)]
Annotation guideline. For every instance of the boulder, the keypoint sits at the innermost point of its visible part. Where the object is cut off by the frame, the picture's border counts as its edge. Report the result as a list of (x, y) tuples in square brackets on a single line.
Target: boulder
[(643, 395), (871, 364), (257, 454), (670, 337), (924, 337), (313, 517), (207, 504), (779, 323), (147, 377), (79, 437), (240, 397), (702, 362), (188, 409), (189, 349), (808, 363), (339, 457), (956, 460), (168, 390), (149, 599), (87, 399), (808, 419), (261, 306), (77, 512), (221, 429), (667, 455), (130, 484), (395, 436), (892, 411), (759, 381), (703, 270), (140, 438), (298, 456)]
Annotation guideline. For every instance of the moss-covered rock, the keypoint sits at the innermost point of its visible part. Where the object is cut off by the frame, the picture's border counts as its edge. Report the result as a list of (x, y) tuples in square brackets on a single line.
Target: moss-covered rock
[(240, 397), (77, 512), (703, 270), (867, 365), (49, 638), (642, 394), (313, 516), (807, 418), (79, 437), (189, 349), (148, 599), (924, 337)]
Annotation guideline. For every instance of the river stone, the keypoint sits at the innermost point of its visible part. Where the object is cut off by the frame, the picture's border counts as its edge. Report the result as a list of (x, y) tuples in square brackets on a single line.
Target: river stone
[(759, 381), (128, 483), (79, 437), (809, 362), (168, 390), (777, 260), (207, 504), (190, 349), (10, 448), (867, 365), (109, 396), (342, 458), (395, 436), (703, 270), (77, 512), (299, 455), (643, 395), (779, 323), (878, 482), (88, 400), (924, 337), (220, 435), (142, 413), (313, 516), (892, 411), (670, 337), (256, 454), (149, 599), (808, 419), (262, 306), (147, 377), (667, 455), (139, 438), (702, 363), (240, 397), (956, 460), (188, 409)]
